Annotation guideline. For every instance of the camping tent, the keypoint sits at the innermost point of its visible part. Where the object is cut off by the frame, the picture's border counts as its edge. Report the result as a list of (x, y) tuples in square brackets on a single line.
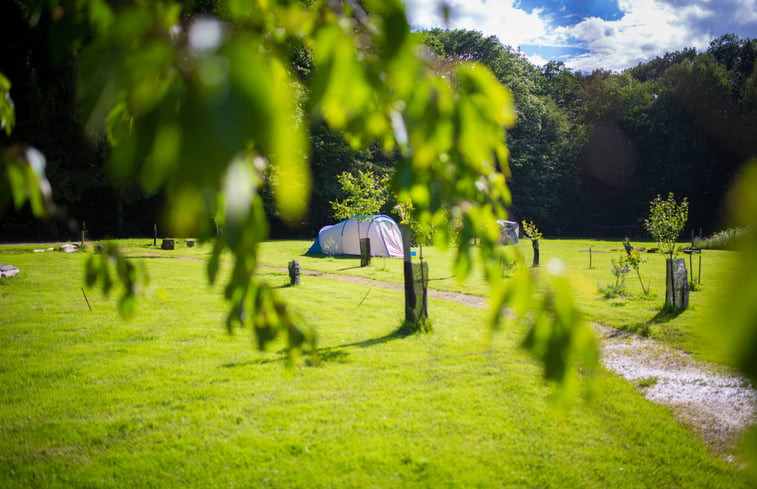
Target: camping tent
[(342, 238), (508, 231)]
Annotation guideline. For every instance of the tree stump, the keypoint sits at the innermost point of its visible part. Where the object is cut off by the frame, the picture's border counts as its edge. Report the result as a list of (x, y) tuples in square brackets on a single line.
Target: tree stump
[(168, 244), (294, 272), (676, 284)]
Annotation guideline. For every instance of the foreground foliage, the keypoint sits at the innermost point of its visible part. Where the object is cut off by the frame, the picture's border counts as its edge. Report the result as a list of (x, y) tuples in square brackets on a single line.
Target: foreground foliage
[(214, 111)]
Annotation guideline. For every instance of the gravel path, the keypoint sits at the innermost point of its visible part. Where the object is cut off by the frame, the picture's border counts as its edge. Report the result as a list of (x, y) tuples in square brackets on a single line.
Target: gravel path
[(716, 403)]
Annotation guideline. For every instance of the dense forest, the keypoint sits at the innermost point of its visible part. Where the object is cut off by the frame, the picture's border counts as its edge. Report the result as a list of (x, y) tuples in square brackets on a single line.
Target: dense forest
[(588, 153)]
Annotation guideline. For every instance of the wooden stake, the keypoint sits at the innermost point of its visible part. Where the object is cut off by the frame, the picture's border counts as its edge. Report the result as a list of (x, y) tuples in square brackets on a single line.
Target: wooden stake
[(85, 298)]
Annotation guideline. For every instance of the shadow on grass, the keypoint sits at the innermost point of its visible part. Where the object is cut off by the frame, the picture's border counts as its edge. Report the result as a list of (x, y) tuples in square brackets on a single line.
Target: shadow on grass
[(351, 258), (665, 315), (644, 329), (333, 354), (640, 329), (349, 268), (254, 361), (399, 333), (148, 257), (333, 257)]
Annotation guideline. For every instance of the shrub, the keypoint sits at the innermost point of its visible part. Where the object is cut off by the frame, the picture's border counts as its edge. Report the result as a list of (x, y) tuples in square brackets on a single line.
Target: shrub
[(620, 269), (728, 239), (666, 220)]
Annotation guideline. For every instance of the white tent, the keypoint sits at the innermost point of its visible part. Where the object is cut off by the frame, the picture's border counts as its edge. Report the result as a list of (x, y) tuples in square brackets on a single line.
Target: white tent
[(342, 238)]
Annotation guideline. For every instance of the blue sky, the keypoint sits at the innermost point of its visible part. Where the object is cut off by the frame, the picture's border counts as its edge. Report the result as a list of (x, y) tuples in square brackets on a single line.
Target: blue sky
[(591, 34)]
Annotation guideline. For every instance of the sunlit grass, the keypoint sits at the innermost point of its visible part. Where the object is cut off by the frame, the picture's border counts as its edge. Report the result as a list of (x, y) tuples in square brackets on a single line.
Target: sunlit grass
[(633, 311), (169, 399)]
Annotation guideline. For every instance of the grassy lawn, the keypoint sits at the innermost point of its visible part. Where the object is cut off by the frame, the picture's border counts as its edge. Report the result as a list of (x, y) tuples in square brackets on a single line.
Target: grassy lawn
[(169, 399), (634, 312)]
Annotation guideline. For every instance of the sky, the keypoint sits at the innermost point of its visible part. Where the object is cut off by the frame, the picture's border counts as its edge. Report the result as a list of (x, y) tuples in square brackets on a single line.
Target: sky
[(591, 34)]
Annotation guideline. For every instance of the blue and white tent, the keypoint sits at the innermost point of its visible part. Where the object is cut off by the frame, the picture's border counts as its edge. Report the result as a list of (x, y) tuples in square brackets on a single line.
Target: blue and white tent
[(342, 238)]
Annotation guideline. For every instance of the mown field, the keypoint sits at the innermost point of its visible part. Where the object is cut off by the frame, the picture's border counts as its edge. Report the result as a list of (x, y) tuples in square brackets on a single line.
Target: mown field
[(170, 399)]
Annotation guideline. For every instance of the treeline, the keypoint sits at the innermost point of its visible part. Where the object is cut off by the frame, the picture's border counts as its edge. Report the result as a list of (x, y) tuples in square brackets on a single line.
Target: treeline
[(588, 153), (591, 150)]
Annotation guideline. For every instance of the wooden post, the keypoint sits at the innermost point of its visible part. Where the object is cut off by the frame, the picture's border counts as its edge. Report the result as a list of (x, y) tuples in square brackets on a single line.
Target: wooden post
[(589, 257), (699, 273), (155, 235), (365, 252), (408, 271)]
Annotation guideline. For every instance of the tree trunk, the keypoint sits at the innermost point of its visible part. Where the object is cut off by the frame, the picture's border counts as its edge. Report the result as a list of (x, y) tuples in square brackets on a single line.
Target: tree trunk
[(535, 244)]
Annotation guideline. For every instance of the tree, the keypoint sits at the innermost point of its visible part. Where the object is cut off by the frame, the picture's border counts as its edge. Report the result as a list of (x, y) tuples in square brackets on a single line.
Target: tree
[(666, 221), (364, 194), (533, 233), (540, 143)]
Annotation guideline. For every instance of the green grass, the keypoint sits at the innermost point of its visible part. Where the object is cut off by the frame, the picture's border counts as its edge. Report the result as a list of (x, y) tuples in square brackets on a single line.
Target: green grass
[(169, 399), (634, 312)]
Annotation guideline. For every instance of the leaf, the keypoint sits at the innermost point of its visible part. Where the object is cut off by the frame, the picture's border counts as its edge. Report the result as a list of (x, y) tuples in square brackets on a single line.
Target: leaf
[(7, 111), (25, 171)]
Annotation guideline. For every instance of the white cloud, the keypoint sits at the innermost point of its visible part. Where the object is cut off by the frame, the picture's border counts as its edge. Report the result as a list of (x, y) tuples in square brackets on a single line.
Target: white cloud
[(493, 17), (647, 28)]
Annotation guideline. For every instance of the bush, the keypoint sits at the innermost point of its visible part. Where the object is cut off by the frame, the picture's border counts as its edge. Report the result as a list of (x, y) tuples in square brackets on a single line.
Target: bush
[(728, 239), (619, 270)]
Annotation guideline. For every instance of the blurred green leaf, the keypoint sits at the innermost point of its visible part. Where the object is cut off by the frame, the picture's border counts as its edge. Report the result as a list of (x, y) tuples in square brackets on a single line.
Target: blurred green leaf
[(736, 314), (132, 276), (7, 112), (25, 173)]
